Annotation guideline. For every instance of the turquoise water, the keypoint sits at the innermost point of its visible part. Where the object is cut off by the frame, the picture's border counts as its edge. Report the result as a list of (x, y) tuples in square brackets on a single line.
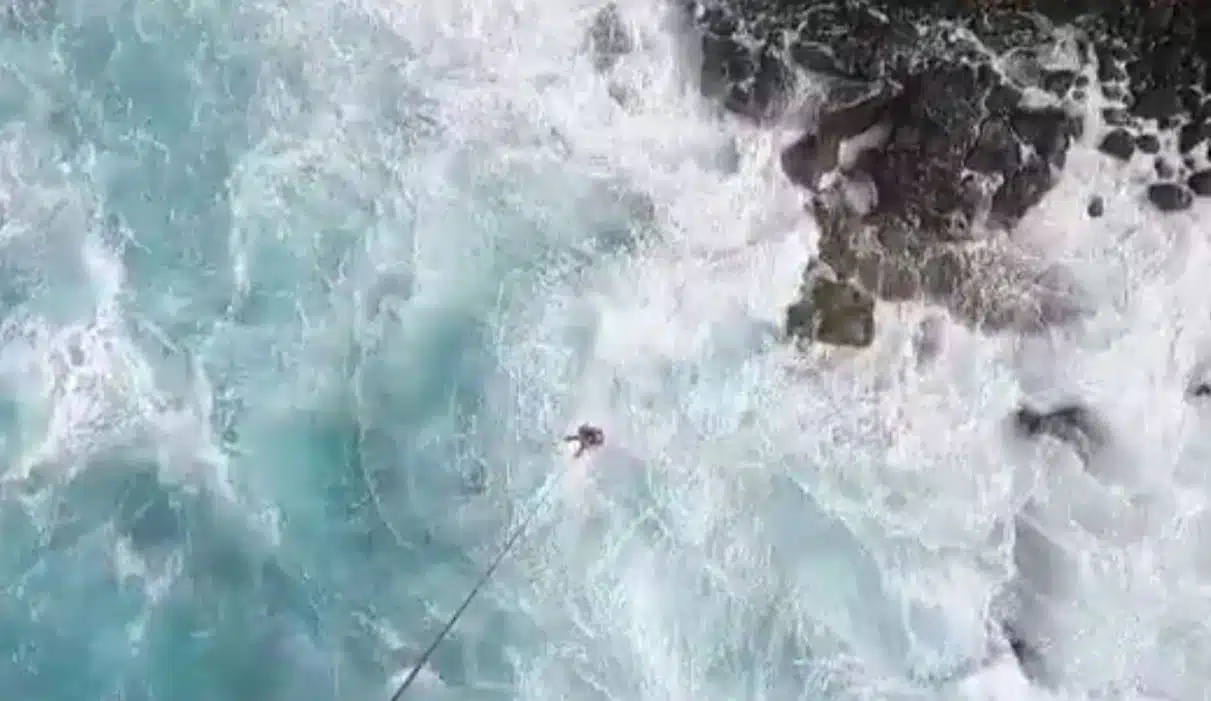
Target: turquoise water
[(235, 413)]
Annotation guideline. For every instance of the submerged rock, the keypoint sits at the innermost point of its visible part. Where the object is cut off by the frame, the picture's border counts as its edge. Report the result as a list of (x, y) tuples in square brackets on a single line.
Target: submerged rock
[(1074, 425), (1170, 197), (28, 15), (608, 38), (1120, 144), (1192, 135), (1200, 183), (1148, 143)]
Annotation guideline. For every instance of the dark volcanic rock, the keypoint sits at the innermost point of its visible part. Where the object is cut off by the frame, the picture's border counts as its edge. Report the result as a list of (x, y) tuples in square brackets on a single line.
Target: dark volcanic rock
[(1023, 189), (831, 312), (748, 83), (1059, 82), (1159, 54), (1200, 183), (960, 150), (852, 108), (1049, 131), (1192, 135), (1110, 72), (806, 160), (1116, 117), (1118, 143), (1170, 197), (849, 110), (1097, 207), (995, 149), (1148, 143), (1159, 103), (1116, 93)]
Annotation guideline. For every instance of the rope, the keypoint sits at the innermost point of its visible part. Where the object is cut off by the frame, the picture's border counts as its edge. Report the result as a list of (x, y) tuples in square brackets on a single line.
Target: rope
[(513, 539)]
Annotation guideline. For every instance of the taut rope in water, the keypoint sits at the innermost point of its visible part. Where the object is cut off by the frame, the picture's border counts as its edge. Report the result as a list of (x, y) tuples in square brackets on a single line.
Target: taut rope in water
[(513, 539)]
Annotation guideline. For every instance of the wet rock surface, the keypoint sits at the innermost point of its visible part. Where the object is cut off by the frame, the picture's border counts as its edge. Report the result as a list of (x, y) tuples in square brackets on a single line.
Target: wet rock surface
[(1120, 144), (831, 311), (608, 38), (965, 112), (1200, 183), (1148, 143), (1170, 197)]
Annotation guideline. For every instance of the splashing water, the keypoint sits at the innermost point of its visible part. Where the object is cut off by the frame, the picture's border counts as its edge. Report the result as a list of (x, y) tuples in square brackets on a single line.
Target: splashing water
[(283, 284)]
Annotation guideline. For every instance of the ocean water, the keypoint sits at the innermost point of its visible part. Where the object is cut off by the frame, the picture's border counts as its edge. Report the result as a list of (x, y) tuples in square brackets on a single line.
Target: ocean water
[(298, 299)]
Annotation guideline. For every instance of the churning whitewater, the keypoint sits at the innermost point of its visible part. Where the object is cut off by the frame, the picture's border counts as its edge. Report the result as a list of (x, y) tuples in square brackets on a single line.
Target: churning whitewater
[(300, 298)]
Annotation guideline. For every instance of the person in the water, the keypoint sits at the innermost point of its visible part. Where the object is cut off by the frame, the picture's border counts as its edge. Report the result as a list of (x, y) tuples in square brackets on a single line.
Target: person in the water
[(586, 437)]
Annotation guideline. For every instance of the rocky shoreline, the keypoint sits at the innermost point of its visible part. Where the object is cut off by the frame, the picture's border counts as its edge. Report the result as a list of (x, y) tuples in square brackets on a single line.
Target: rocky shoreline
[(943, 123), (932, 129)]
